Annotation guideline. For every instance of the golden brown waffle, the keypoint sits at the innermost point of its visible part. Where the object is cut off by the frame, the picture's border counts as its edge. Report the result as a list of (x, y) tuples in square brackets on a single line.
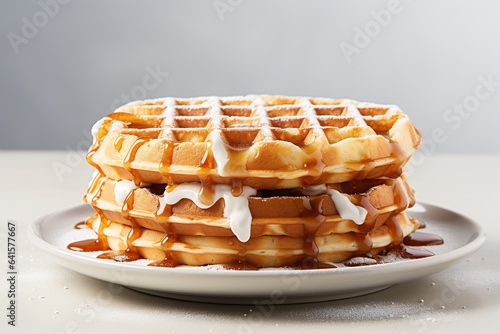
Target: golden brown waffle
[(286, 225), (265, 142), (290, 213), (262, 251)]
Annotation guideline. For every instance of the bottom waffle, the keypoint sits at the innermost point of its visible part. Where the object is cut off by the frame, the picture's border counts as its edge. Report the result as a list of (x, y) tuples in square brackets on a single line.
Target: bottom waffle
[(264, 251)]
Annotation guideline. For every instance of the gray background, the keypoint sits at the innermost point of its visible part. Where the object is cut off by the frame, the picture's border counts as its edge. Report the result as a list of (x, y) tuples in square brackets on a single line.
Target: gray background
[(86, 57)]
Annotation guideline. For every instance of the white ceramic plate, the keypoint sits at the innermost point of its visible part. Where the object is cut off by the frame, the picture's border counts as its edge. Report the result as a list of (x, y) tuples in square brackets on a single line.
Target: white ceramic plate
[(462, 236)]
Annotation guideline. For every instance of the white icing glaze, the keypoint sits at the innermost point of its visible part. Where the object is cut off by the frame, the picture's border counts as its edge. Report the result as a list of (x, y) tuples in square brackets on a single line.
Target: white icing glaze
[(219, 152), (122, 189), (95, 129), (238, 212), (217, 145), (314, 190), (306, 202), (346, 209), (236, 208), (115, 125)]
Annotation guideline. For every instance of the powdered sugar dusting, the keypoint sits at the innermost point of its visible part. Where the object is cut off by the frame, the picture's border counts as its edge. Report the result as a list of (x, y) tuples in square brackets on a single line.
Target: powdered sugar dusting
[(258, 104), (360, 261)]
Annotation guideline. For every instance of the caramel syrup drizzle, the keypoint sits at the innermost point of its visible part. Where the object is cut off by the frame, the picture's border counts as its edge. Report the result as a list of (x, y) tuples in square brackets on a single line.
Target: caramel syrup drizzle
[(166, 161), (118, 143), (166, 244), (101, 133), (314, 164), (130, 253), (312, 219), (207, 191), (168, 241), (136, 230), (130, 157), (100, 243), (395, 232)]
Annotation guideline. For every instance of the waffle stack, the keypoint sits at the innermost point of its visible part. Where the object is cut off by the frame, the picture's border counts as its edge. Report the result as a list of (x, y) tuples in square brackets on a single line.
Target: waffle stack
[(268, 181)]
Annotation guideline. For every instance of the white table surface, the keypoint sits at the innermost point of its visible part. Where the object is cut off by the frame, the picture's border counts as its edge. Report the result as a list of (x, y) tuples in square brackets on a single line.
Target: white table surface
[(50, 298)]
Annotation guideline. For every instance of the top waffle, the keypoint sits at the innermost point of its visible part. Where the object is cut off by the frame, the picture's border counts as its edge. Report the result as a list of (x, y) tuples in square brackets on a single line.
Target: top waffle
[(265, 142)]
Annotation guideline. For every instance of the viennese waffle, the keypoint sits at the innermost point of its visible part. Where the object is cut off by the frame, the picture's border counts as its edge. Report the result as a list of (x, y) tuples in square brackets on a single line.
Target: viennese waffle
[(265, 180), (265, 142)]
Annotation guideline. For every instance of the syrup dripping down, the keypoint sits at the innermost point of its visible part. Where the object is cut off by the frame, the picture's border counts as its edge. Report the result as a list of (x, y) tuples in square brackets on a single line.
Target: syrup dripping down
[(130, 157), (169, 260), (100, 243), (91, 245), (313, 164), (166, 161), (237, 187), (88, 245), (207, 191), (135, 230), (90, 159), (101, 133), (395, 232), (312, 219)]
